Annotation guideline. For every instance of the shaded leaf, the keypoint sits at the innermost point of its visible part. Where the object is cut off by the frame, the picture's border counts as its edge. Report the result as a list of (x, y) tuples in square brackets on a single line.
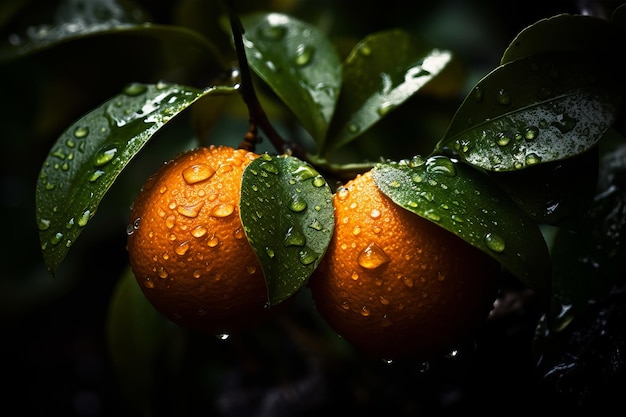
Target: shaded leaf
[(532, 110), (590, 256), (288, 217), (135, 335), (382, 71), (467, 203), (564, 32), (555, 192), (298, 63), (88, 157)]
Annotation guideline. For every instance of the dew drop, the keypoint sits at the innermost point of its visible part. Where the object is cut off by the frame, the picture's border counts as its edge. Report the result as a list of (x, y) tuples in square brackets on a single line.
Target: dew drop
[(532, 159), (494, 242), (43, 224), (365, 312), (95, 175), (304, 172), (148, 283), (294, 237), (238, 233), (196, 273), (273, 32), (135, 89), (372, 257), (162, 272), (375, 214), (503, 139), (531, 133), (304, 55), (269, 167), (223, 210), (198, 231), (170, 221), (182, 248), (441, 165), (503, 97), (198, 173), (307, 256), (343, 193), (251, 269), (213, 242), (190, 211), (319, 181), (81, 132), (477, 94), (56, 238), (104, 156), (222, 336), (298, 204), (84, 218)]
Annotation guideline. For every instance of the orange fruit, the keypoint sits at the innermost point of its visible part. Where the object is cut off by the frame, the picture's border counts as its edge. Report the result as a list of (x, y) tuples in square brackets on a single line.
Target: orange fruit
[(187, 246), (396, 285)]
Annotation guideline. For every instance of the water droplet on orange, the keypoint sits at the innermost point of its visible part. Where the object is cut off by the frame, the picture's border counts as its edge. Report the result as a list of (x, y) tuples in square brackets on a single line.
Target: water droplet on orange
[(372, 257), (198, 173), (190, 211), (223, 210)]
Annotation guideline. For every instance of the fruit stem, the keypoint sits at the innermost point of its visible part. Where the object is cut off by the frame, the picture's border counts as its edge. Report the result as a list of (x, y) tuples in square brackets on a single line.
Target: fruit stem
[(256, 115)]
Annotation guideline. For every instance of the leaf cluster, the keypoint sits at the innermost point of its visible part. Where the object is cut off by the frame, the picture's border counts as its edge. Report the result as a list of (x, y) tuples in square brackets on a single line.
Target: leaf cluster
[(520, 154)]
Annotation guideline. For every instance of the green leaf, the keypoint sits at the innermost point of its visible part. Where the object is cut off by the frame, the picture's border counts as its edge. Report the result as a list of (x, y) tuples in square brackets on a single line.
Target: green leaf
[(288, 217), (564, 32), (135, 336), (589, 256), (382, 71), (536, 109), (190, 46), (298, 62), (555, 192), (467, 203), (88, 157)]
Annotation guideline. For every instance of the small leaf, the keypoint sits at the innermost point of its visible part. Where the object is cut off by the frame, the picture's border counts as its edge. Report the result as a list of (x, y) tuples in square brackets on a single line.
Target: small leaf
[(533, 110), (383, 70), (288, 217), (465, 202), (88, 157), (299, 64)]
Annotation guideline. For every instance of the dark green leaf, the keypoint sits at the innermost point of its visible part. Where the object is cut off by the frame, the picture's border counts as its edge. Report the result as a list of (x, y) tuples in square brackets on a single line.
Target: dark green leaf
[(382, 71), (299, 64), (533, 110), (288, 216), (186, 41), (564, 32), (91, 153), (589, 256), (555, 192), (465, 202), (135, 333)]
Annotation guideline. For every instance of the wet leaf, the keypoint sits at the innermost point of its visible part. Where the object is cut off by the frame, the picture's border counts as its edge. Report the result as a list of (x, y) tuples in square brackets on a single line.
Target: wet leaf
[(88, 157), (467, 203), (288, 216), (298, 63), (382, 71), (533, 110)]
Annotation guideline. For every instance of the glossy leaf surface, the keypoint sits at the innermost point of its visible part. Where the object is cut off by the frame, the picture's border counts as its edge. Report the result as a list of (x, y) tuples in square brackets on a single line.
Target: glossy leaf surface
[(463, 201), (288, 216), (88, 157), (535, 109), (298, 63), (382, 71)]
